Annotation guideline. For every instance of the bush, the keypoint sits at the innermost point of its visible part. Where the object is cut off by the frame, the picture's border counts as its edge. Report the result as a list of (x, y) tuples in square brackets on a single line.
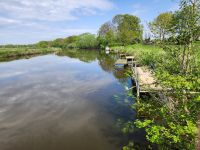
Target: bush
[(87, 41)]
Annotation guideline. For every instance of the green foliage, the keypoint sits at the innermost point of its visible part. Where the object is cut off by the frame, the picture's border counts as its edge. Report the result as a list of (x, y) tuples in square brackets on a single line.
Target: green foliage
[(161, 26), (70, 42), (106, 35), (130, 146), (122, 30), (43, 44), (144, 54), (10, 53), (58, 43), (86, 41), (129, 30), (170, 135), (83, 41)]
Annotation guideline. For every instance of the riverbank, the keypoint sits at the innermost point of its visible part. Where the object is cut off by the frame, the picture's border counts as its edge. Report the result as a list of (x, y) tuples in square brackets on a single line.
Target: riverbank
[(8, 53), (144, 54), (167, 73)]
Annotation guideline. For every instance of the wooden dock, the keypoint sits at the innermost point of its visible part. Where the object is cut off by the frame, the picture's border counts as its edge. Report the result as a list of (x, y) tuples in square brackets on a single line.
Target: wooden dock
[(121, 62), (125, 60), (143, 77), (130, 60), (145, 80)]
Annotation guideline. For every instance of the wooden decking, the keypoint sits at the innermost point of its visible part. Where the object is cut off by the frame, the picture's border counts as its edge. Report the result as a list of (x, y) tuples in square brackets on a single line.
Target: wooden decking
[(143, 77), (145, 80), (130, 57), (121, 62), (124, 60)]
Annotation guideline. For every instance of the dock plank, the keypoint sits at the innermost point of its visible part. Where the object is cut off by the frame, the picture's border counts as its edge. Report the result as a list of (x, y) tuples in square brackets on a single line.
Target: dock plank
[(147, 80), (130, 57), (121, 62)]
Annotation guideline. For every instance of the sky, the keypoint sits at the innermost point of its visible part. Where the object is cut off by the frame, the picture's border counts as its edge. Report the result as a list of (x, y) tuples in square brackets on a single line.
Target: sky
[(30, 21)]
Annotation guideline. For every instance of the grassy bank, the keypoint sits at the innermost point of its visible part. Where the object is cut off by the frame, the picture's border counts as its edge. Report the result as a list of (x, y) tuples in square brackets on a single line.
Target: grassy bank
[(6, 53), (144, 54), (147, 54), (172, 123)]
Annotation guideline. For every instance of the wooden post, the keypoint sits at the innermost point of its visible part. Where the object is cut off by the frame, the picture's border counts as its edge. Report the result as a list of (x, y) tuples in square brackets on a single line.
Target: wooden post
[(137, 81), (138, 84)]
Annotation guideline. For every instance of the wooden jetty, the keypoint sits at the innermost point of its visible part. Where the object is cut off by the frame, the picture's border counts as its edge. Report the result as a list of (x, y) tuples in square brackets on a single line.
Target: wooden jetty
[(143, 77), (145, 80), (121, 62), (130, 60), (125, 60)]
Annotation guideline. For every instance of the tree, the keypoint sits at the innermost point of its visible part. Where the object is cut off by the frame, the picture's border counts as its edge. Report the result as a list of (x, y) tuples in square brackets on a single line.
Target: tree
[(105, 28), (58, 43), (123, 29), (87, 40), (43, 44), (160, 27), (106, 35), (70, 42), (128, 27), (186, 28)]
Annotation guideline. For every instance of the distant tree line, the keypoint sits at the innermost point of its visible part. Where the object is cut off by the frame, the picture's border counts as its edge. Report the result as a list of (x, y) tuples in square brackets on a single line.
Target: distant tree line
[(122, 30), (83, 41)]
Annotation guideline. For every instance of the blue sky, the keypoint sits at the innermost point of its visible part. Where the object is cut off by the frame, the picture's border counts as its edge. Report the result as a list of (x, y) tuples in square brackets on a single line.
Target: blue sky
[(28, 21)]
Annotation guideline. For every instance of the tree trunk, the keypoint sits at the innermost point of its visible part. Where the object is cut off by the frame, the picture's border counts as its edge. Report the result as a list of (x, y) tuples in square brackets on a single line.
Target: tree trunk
[(183, 60)]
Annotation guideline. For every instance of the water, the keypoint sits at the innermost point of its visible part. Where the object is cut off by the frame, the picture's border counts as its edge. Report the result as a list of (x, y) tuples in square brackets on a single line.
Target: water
[(61, 102)]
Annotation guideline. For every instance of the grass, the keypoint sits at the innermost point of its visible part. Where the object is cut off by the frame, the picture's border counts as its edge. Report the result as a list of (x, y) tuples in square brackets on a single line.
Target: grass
[(6, 53), (144, 54)]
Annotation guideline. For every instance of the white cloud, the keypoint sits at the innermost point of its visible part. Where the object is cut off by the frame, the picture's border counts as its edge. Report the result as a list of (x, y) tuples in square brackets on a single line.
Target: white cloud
[(33, 33), (28, 21), (6, 21), (51, 10)]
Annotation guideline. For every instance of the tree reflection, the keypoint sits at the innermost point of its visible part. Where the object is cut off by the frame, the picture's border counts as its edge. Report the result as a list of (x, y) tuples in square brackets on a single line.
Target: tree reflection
[(105, 61)]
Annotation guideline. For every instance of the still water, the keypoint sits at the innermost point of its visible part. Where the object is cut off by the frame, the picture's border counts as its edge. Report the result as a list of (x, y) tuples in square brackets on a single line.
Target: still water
[(62, 102)]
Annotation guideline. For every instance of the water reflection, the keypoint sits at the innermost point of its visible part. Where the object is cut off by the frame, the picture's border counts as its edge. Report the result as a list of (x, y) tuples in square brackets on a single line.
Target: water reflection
[(105, 61), (61, 102)]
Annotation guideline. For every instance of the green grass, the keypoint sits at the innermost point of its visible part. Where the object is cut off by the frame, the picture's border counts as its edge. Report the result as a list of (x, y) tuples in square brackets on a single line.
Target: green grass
[(18, 52), (144, 54)]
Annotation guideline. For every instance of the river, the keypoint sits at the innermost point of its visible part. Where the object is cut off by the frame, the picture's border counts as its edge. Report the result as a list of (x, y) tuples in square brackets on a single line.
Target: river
[(62, 102)]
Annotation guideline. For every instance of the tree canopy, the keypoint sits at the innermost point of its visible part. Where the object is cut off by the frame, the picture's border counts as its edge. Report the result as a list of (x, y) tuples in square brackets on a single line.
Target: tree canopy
[(123, 29), (161, 25), (129, 29)]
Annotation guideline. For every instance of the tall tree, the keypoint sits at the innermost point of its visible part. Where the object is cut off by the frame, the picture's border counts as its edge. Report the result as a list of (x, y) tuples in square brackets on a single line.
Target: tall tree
[(160, 27), (129, 29), (105, 28), (106, 34), (186, 28)]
